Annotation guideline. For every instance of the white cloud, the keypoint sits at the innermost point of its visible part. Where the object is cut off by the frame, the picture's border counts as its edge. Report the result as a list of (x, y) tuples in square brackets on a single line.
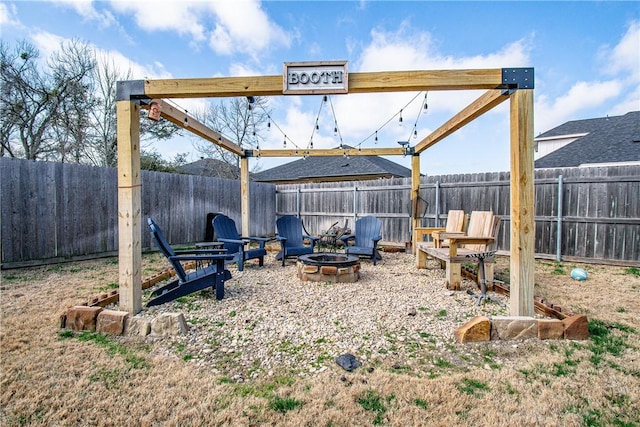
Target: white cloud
[(581, 96), (227, 26), (8, 15), (86, 9), (625, 56), (47, 43), (615, 96), (244, 27), (181, 17)]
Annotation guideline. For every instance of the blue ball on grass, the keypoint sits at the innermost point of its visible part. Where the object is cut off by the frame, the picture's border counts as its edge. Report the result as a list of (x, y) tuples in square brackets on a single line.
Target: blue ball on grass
[(579, 274)]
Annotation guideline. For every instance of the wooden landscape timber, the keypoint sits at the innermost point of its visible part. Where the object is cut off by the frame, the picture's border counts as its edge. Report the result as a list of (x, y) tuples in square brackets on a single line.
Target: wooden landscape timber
[(541, 306), (114, 296)]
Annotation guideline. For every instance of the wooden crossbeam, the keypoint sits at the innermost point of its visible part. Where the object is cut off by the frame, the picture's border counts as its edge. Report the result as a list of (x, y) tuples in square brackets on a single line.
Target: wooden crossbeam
[(298, 152), (384, 81), (484, 103), (177, 117)]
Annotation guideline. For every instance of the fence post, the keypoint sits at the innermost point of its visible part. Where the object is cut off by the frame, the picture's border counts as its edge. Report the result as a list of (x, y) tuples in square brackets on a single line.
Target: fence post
[(437, 214), (355, 203), (559, 222)]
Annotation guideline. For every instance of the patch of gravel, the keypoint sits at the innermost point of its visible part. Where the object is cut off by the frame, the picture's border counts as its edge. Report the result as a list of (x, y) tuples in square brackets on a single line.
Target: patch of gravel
[(395, 316)]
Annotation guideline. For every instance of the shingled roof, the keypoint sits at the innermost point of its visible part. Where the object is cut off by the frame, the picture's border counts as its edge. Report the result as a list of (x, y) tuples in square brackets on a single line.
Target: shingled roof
[(211, 167), (608, 140), (329, 168)]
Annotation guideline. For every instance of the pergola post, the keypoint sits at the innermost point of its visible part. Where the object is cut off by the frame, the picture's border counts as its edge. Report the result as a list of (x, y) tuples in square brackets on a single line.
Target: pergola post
[(129, 207), (522, 204), (244, 187), (415, 197)]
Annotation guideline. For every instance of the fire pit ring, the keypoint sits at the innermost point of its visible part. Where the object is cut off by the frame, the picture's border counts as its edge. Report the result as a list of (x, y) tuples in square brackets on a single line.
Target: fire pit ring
[(328, 267)]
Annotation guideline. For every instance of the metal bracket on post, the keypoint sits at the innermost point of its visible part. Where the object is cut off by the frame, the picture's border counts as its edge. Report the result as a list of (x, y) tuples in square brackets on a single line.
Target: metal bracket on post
[(518, 78), (129, 90)]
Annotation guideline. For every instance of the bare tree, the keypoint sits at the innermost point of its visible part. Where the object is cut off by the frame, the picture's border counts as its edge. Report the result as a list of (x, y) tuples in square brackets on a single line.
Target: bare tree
[(31, 100), (240, 119), (73, 127)]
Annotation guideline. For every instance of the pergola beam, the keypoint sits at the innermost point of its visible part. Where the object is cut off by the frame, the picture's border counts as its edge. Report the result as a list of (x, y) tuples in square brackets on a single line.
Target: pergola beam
[(484, 103), (384, 81), (179, 117), (311, 152)]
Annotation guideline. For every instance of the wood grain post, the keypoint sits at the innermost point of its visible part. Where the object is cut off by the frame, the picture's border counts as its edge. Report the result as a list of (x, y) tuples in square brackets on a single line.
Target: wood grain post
[(244, 188), (522, 204), (129, 207)]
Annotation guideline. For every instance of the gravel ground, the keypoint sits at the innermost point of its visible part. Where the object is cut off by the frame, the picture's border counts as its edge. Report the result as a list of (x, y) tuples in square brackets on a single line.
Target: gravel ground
[(270, 321)]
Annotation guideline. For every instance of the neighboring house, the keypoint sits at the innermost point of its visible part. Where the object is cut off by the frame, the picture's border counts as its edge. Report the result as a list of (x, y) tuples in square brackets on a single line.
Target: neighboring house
[(211, 167), (592, 142), (329, 168)]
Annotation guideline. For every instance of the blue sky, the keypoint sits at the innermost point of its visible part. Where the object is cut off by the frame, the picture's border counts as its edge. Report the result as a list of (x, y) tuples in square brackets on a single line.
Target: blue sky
[(586, 57)]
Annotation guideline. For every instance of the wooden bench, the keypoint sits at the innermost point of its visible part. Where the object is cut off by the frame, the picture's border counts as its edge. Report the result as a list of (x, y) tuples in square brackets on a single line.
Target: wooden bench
[(462, 249), (456, 223)]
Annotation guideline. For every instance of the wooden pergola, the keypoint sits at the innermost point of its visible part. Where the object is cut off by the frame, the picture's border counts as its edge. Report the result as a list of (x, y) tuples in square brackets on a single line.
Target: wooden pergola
[(514, 84)]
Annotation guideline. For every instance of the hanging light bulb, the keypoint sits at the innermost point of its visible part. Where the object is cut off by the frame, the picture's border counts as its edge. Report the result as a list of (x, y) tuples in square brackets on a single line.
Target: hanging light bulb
[(284, 144), (311, 144), (335, 130), (186, 122), (426, 106), (317, 127), (345, 154), (376, 140), (415, 133), (269, 125), (324, 98), (400, 120)]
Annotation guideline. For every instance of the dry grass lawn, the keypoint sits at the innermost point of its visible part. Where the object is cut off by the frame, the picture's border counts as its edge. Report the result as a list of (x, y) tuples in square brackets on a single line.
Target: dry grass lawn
[(52, 377)]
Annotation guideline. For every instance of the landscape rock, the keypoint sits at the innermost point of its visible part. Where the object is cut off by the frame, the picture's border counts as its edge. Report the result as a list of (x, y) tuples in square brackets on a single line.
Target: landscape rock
[(137, 326), (475, 330), (348, 362), (513, 328), (82, 318), (168, 324), (111, 322), (550, 329), (576, 327)]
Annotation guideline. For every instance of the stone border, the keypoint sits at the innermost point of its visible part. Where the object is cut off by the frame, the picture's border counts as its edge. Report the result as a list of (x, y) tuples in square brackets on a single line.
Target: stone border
[(481, 328), (113, 322)]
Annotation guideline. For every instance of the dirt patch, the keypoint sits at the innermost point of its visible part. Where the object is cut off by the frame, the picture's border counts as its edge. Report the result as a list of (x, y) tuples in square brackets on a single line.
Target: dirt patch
[(54, 378)]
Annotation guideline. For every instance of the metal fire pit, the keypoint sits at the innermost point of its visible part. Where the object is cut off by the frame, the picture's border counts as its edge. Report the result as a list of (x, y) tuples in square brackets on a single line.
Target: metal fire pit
[(329, 267)]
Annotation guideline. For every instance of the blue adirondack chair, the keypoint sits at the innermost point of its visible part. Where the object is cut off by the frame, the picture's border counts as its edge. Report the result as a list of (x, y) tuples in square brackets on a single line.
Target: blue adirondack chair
[(235, 244), (291, 238), (213, 274), (366, 238)]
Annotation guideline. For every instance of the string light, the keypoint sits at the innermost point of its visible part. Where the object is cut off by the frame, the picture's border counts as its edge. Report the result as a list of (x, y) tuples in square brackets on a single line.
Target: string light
[(284, 144), (415, 132), (400, 120), (376, 140), (186, 118)]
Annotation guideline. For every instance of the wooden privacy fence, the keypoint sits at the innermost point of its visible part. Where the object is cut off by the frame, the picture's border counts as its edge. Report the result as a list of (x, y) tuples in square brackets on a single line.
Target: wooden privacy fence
[(589, 214), (59, 211)]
